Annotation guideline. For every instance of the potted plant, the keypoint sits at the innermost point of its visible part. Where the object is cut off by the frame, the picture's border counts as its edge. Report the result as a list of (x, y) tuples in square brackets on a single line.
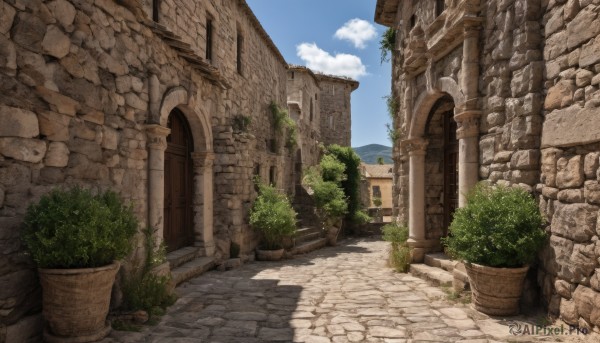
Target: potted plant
[(331, 207), (76, 239), (498, 233), (273, 217)]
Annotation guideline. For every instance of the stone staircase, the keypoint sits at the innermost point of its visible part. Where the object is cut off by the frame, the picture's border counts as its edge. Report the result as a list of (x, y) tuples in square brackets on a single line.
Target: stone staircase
[(439, 270), (309, 234), (187, 263)]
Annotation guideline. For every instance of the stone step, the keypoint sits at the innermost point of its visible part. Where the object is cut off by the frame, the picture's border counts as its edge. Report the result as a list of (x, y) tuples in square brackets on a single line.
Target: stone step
[(440, 260), (433, 275), (307, 238), (192, 269), (309, 246), (178, 257)]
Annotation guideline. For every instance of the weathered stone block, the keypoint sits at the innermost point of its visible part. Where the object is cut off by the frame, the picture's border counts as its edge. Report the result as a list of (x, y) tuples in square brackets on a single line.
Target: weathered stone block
[(57, 155), (583, 27), (576, 222), (571, 126), (583, 77), (16, 122), (54, 126), (8, 56), (564, 288), (569, 172), (591, 164), (560, 95), (568, 312), (585, 300), (529, 177), (487, 147), (63, 11), (29, 31), (524, 132), (571, 195), (23, 149), (555, 46), (56, 43), (7, 15), (527, 80), (590, 53), (63, 104), (592, 192), (525, 159)]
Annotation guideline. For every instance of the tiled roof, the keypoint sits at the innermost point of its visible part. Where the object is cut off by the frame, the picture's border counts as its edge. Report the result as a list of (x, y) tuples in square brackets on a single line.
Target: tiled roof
[(380, 171)]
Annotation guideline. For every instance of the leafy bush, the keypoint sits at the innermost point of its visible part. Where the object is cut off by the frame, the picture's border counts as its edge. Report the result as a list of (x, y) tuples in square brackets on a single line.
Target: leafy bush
[(281, 122), (499, 227), (397, 235), (377, 201), (361, 218), (272, 216), (351, 185), (75, 229), (387, 44), (241, 123), (330, 201), (332, 169), (144, 290)]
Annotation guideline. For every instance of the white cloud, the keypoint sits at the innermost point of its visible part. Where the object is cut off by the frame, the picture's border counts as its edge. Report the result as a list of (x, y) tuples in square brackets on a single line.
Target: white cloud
[(357, 31), (320, 60)]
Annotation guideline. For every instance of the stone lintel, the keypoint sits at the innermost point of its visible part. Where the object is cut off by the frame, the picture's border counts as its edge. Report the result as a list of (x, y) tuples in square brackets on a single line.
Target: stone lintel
[(571, 126)]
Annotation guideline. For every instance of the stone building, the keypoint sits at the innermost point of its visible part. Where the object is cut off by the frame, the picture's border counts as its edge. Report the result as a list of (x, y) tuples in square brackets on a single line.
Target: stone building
[(505, 91), (154, 99), (303, 92), (380, 181), (334, 104)]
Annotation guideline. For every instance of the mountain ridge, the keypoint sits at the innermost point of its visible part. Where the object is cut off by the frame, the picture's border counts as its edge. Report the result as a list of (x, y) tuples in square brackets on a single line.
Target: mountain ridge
[(370, 152)]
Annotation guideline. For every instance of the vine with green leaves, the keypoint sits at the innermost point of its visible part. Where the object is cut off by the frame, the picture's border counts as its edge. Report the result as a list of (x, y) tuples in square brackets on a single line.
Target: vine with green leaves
[(282, 122), (387, 44), (392, 108)]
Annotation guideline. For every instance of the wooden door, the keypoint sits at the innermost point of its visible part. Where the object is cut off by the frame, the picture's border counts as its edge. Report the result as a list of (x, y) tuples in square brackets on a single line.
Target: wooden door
[(178, 211), (450, 169)]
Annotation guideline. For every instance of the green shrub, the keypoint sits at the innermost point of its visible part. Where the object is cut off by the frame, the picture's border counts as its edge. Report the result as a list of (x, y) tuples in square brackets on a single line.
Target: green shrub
[(397, 235), (361, 218), (142, 288), (377, 201), (282, 122), (330, 201), (272, 216), (351, 185), (387, 44), (332, 169), (75, 229), (499, 227)]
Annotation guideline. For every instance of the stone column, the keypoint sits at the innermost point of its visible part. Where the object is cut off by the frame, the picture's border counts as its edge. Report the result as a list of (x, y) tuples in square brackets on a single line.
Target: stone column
[(203, 202), (469, 81), (416, 212), (468, 152), (157, 144)]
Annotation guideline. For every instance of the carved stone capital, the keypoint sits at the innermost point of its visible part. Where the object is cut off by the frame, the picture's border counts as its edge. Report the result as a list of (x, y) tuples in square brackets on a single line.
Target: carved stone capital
[(157, 136), (415, 146), (468, 124), (203, 159)]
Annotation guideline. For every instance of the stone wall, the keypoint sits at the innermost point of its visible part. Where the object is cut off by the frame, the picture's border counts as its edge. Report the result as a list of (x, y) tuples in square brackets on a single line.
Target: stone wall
[(568, 187), (85, 92), (334, 103), (531, 84)]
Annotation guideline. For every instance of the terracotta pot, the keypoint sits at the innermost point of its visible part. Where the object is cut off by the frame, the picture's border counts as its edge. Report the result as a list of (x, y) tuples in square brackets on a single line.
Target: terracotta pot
[(75, 302), (269, 255), (496, 291)]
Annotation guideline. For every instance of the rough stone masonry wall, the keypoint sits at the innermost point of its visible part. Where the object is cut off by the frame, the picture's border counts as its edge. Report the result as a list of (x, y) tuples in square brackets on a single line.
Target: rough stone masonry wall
[(569, 189), (74, 100), (334, 102)]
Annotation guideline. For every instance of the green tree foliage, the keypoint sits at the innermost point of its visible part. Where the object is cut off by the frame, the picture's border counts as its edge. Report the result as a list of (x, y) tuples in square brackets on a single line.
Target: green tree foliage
[(272, 216), (380, 160), (75, 229), (351, 185), (332, 169), (499, 227), (282, 122)]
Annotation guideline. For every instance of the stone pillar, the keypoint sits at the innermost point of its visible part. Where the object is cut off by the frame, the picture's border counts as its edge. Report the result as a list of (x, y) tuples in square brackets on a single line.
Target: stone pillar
[(468, 152), (203, 202), (469, 80), (157, 144), (416, 212)]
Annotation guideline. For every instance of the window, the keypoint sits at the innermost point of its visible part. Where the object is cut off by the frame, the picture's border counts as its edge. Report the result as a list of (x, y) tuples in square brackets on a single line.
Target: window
[(316, 97), (272, 176), (240, 47), (311, 110), (155, 10), (272, 145), (440, 6), (331, 121), (292, 75), (376, 192), (413, 21), (209, 38)]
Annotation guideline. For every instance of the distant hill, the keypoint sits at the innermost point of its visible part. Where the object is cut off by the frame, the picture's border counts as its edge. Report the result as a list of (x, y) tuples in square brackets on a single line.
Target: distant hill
[(369, 153)]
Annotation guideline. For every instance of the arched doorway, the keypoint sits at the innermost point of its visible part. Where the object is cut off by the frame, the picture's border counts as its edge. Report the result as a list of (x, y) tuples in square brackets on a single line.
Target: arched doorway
[(441, 169), (179, 177)]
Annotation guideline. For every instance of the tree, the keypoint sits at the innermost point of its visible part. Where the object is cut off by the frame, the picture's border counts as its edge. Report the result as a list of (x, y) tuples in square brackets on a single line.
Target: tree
[(380, 160)]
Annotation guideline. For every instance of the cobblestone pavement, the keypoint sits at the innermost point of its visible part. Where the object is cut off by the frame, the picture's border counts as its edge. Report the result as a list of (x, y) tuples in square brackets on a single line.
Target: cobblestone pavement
[(340, 294)]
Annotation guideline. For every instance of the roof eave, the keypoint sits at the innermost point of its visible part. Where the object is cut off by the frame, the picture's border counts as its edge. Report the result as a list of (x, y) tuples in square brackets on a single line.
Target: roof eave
[(385, 12)]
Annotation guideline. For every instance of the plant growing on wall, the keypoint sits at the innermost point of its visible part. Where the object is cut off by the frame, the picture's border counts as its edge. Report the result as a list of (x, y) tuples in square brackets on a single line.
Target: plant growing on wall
[(284, 124), (387, 44), (392, 109), (351, 184), (241, 123)]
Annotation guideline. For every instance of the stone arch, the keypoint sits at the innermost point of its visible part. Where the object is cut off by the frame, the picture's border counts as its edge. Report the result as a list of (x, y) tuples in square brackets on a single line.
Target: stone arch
[(426, 100), (178, 97)]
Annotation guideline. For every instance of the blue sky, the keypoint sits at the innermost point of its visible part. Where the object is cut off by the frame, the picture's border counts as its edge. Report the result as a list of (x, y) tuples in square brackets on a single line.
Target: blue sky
[(307, 32)]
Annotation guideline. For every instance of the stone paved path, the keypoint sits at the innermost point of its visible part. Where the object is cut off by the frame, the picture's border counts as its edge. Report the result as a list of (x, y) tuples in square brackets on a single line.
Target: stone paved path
[(341, 294)]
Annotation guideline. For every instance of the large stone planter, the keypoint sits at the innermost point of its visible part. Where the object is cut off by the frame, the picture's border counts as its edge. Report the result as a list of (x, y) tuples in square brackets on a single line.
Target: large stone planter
[(332, 233), (269, 255), (496, 291), (76, 302)]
